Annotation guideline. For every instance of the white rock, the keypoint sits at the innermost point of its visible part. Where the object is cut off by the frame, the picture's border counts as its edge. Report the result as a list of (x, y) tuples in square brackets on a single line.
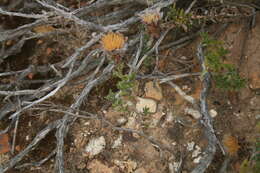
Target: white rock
[(95, 146), (169, 117), (194, 113), (197, 160), (121, 121), (196, 152), (213, 113), (143, 103), (118, 142), (190, 146), (174, 143)]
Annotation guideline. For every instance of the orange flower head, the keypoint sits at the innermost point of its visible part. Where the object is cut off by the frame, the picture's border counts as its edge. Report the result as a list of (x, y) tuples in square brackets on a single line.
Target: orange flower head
[(113, 41)]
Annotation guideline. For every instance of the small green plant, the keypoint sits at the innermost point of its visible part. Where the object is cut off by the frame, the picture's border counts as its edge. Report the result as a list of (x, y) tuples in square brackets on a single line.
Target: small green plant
[(124, 85), (225, 75), (146, 111), (179, 17)]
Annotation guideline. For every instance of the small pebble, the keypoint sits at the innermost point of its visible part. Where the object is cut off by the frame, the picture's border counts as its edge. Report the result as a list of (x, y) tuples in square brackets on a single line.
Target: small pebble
[(121, 121), (213, 113)]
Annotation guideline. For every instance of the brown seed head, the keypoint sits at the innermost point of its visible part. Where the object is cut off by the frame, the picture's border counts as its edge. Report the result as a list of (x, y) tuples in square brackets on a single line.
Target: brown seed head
[(231, 144), (151, 17)]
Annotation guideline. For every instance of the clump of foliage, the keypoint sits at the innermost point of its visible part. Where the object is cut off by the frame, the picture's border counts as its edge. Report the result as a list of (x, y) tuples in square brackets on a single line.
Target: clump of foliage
[(124, 85), (179, 17), (225, 75)]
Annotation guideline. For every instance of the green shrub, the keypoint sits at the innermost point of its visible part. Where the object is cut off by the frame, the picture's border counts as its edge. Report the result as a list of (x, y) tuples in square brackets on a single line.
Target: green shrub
[(225, 75), (179, 17), (124, 85)]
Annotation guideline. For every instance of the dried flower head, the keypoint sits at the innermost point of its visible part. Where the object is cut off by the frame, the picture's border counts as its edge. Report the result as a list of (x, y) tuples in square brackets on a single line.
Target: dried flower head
[(151, 16), (231, 144), (113, 41)]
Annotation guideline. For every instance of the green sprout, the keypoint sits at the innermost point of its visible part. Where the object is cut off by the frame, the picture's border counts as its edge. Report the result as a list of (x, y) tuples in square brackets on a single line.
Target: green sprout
[(146, 111)]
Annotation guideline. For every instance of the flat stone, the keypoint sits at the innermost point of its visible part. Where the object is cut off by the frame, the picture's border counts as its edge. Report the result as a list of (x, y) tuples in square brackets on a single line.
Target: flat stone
[(143, 103), (95, 146), (153, 90)]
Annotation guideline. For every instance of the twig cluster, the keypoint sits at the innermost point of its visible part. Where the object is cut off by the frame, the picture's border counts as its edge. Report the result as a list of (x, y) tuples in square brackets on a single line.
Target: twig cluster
[(96, 67), (94, 64)]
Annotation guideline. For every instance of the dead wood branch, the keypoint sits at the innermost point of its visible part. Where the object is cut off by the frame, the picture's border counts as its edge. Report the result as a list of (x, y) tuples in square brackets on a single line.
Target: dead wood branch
[(32, 16), (206, 119)]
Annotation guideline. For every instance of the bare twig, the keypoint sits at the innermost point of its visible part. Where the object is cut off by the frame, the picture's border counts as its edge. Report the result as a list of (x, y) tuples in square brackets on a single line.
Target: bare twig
[(61, 84), (152, 49), (70, 16), (183, 94), (138, 53), (190, 7), (206, 119), (15, 128), (32, 16), (81, 49), (16, 93), (10, 34), (97, 5), (174, 77), (37, 164)]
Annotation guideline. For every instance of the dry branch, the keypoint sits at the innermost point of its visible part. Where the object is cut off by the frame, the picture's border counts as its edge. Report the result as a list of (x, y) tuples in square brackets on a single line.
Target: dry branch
[(95, 73), (206, 119), (32, 16)]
